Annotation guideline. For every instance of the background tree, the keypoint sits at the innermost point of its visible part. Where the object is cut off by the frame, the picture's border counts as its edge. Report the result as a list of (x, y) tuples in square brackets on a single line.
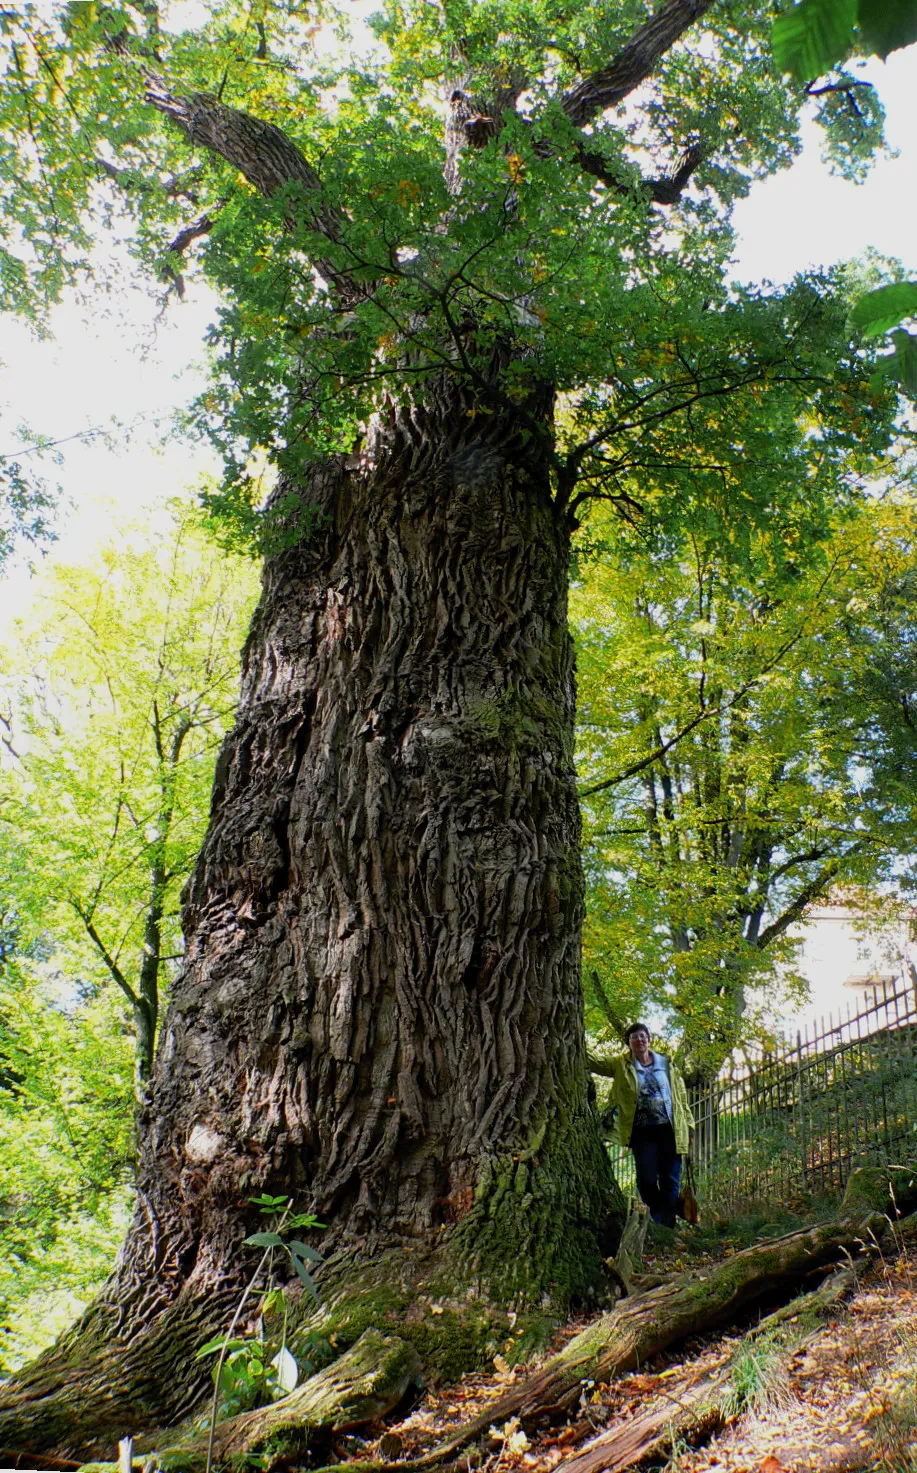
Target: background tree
[(381, 1011), (725, 789), (27, 502), (66, 1139), (119, 687), (878, 633)]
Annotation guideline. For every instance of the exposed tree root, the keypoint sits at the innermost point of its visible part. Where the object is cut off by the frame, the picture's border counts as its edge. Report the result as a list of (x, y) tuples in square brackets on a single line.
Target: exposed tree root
[(369, 1379), (641, 1326), (96, 1385), (108, 1378)]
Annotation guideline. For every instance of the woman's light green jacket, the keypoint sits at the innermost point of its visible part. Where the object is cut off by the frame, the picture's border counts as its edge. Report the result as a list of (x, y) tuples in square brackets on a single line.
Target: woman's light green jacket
[(624, 1099)]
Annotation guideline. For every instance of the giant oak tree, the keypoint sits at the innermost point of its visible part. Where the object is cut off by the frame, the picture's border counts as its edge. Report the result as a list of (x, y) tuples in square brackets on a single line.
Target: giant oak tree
[(472, 278)]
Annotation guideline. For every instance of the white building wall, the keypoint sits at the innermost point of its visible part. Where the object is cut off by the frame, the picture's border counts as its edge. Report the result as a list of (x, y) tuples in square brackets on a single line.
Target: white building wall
[(843, 964)]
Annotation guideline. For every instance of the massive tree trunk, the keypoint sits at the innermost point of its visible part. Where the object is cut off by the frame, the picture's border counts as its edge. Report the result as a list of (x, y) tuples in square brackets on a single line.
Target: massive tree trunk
[(380, 1013)]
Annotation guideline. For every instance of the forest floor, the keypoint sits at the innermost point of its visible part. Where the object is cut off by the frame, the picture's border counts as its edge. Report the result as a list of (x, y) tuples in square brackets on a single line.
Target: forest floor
[(843, 1400)]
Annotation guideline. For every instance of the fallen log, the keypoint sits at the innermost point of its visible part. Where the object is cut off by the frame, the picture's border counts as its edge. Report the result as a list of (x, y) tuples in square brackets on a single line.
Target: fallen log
[(361, 1386), (697, 1406), (371, 1377), (639, 1327)]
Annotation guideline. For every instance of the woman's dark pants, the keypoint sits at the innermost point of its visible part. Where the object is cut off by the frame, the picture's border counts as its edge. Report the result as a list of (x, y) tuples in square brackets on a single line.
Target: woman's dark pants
[(658, 1170)]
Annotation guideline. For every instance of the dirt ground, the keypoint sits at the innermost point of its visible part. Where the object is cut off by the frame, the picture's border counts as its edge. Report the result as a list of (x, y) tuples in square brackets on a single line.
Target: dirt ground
[(844, 1400)]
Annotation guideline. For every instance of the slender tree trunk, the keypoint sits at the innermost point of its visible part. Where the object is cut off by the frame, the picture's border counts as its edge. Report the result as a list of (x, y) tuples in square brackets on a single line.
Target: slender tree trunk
[(146, 1008), (380, 1013)]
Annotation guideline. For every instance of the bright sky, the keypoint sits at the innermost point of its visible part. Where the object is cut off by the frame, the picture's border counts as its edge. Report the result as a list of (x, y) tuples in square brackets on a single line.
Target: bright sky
[(121, 365)]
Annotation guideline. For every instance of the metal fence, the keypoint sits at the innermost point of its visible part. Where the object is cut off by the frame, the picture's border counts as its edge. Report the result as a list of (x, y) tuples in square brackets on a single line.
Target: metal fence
[(783, 1125)]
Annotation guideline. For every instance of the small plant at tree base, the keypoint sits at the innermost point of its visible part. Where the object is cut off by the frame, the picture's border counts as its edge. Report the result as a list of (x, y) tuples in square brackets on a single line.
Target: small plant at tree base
[(242, 1377)]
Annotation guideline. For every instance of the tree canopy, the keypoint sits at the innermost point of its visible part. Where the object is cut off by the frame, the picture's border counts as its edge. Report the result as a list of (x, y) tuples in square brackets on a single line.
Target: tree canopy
[(591, 228)]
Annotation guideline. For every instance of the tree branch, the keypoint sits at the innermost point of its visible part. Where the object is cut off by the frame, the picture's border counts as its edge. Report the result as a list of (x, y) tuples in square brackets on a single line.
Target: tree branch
[(845, 86), (179, 245), (804, 899), (127, 178), (106, 956), (666, 190), (634, 62), (611, 1013), (269, 160)]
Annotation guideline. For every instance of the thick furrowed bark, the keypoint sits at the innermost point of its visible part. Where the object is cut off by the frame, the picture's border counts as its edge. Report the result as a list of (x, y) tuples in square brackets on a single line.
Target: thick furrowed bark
[(380, 1014), (387, 906)]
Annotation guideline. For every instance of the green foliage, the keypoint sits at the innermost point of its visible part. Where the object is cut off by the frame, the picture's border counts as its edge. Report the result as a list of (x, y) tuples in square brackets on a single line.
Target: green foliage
[(886, 306), (242, 1376), (808, 40), (741, 752), (246, 1380), (299, 1253), (26, 500), (811, 36), (66, 1147), (533, 274), (116, 669), (886, 25), (118, 687)]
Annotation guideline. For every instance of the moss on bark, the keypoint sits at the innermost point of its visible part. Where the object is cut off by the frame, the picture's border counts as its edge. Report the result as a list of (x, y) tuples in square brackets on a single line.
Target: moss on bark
[(543, 1220)]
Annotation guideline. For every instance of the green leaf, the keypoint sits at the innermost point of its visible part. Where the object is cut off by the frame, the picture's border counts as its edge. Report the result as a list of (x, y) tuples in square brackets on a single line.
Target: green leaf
[(886, 25), (901, 365), (264, 1240), (304, 1220), (302, 1250), (269, 1204), (880, 310), (811, 37), (305, 1276), (217, 1344)]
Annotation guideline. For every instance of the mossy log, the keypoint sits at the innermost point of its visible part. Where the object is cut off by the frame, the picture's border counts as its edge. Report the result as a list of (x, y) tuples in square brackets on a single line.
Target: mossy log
[(363, 1384), (695, 1407), (891, 1190)]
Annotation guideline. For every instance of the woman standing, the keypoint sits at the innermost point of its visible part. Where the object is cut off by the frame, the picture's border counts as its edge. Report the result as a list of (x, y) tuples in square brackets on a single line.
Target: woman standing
[(653, 1118)]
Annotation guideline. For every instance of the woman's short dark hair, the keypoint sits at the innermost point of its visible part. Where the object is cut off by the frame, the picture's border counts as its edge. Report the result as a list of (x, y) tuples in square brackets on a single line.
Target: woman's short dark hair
[(635, 1028)]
